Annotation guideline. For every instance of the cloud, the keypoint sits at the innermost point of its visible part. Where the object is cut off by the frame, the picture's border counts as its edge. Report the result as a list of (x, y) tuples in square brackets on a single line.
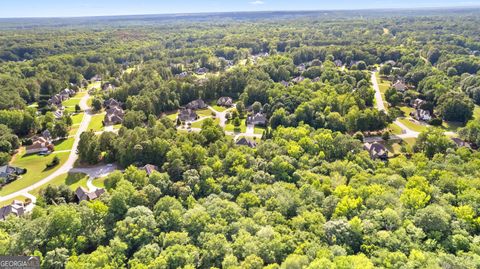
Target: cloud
[(257, 2)]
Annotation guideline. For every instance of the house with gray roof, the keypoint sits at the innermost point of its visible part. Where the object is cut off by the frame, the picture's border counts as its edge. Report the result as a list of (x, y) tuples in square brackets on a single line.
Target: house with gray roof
[(376, 151), (196, 104), (16, 208), (85, 195), (186, 115), (257, 119)]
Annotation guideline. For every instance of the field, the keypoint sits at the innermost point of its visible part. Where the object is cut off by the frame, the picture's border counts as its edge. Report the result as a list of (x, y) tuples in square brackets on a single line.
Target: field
[(71, 102), (204, 112), (36, 170), (198, 124), (66, 144), (72, 180), (413, 126), (395, 129), (231, 128), (77, 118), (219, 108), (96, 124)]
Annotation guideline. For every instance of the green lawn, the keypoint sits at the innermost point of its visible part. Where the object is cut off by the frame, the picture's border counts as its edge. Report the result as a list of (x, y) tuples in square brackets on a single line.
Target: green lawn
[(66, 144), (72, 180), (96, 124), (476, 112), (230, 128), (395, 129), (259, 130), (219, 108), (36, 170), (89, 101), (80, 94), (77, 118), (71, 102), (172, 115), (204, 112), (383, 85), (407, 110), (451, 126), (73, 130), (413, 126), (198, 124), (8, 202)]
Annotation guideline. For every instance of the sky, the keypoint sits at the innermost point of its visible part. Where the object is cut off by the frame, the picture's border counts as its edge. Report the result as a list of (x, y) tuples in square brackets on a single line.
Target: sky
[(75, 8)]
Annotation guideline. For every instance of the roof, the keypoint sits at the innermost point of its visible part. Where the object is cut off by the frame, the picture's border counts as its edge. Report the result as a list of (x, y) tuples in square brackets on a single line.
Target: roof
[(400, 86), (186, 114), (225, 101), (196, 104), (15, 208), (259, 117), (84, 195), (460, 143), (111, 102), (245, 142), (376, 150), (150, 168)]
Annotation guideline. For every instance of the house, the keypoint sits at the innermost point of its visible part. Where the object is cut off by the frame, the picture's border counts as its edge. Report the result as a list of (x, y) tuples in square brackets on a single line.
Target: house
[(284, 83), (40, 144), (225, 101), (245, 142), (84, 195), (111, 103), (391, 62), (67, 93), (16, 208), (56, 100), (187, 114), (421, 115), (113, 116), (201, 71), (376, 151), (418, 103), (58, 113), (460, 143), (301, 67), (96, 78), (9, 173), (298, 79), (150, 168), (182, 75), (196, 104), (257, 119), (108, 87), (317, 79), (338, 63), (47, 135), (400, 86)]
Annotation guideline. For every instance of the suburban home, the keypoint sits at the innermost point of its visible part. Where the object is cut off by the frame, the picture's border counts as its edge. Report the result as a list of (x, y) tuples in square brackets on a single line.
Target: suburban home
[(16, 208), (196, 104), (418, 103), (225, 101), (96, 78), (182, 75), (201, 71), (186, 114), (150, 168), (257, 119), (376, 151), (111, 103), (67, 93), (39, 144), (317, 79), (9, 173), (391, 62), (338, 63), (421, 115), (400, 86), (460, 143), (301, 67), (58, 113), (108, 87), (47, 135), (84, 195), (284, 83), (246, 142), (298, 79), (113, 116)]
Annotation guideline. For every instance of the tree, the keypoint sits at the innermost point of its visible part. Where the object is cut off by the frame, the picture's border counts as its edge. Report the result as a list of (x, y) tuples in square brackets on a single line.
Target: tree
[(60, 130), (455, 106), (434, 221), (88, 147), (433, 141), (97, 104)]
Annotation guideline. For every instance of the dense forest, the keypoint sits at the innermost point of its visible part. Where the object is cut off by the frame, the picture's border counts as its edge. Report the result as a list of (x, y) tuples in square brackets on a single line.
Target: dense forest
[(308, 195)]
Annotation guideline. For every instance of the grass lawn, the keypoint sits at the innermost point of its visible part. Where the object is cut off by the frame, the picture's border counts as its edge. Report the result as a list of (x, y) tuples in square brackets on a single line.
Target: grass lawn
[(19, 198), (129, 70), (172, 115), (72, 180), (476, 112), (383, 84), (451, 126), (73, 130), (66, 144), (198, 124), (96, 124), (204, 112), (77, 118), (71, 102), (395, 129), (259, 130), (230, 128), (89, 101), (407, 110), (413, 126), (219, 108), (36, 170), (80, 94)]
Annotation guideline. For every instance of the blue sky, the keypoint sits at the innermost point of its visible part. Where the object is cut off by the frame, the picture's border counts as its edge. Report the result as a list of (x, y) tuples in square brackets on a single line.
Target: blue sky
[(70, 8)]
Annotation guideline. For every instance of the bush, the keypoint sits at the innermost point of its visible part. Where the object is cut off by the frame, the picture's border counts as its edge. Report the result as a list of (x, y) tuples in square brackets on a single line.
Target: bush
[(359, 136), (55, 161), (435, 122), (386, 135)]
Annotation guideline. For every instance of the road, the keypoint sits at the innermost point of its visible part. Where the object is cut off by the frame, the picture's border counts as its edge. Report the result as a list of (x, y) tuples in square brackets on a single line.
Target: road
[(68, 165), (378, 94)]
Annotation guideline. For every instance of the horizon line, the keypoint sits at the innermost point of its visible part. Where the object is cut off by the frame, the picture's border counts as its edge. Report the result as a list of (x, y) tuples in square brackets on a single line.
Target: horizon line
[(245, 11)]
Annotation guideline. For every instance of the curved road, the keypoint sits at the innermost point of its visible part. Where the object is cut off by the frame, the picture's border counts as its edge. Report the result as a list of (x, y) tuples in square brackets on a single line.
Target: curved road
[(68, 165)]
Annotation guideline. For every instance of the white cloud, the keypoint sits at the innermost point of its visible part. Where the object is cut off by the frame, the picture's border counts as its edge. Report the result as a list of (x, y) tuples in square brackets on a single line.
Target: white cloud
[(257, 2)]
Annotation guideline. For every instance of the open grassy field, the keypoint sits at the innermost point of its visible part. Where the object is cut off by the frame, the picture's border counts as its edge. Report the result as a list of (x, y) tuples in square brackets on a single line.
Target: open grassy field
[(259, 130), (476, 112), (198, 124), (72, 180), (413, 126), (172, 115), (19, 198), (65, 144), (71, 102), (451, 126), (219, 108), (395, 129), (96, 124), (231, 128), (204, 112), (36, 170), (73, 130), (77, 118)]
